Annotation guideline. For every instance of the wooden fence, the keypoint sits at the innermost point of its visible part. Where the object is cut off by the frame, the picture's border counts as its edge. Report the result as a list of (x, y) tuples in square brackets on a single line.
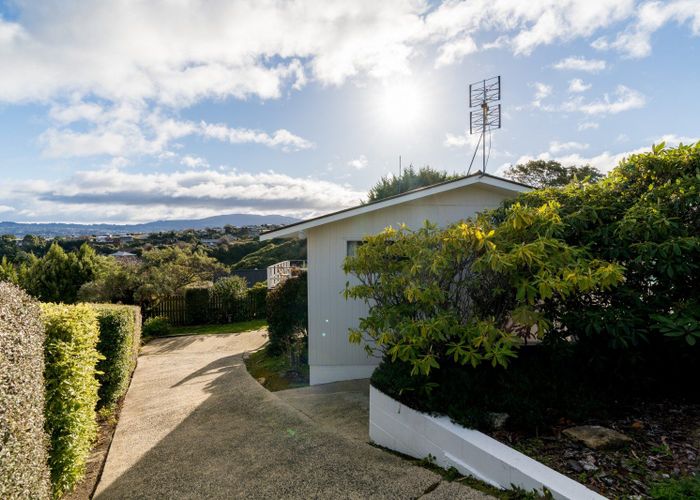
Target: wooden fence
[(219, 310)]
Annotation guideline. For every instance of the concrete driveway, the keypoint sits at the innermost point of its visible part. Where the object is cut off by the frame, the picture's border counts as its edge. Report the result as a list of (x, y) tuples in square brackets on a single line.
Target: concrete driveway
[(196, 425)]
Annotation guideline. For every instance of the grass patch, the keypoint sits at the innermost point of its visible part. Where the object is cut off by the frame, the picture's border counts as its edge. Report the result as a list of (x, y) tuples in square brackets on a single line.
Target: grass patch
[(275, 372), (242, 326), (677, 488)]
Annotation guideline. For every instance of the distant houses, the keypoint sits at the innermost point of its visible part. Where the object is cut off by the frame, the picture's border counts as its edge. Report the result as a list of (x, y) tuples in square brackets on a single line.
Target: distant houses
[(122, 256)]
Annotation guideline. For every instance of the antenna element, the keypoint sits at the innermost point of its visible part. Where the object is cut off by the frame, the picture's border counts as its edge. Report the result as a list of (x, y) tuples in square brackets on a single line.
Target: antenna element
[(483, 95)]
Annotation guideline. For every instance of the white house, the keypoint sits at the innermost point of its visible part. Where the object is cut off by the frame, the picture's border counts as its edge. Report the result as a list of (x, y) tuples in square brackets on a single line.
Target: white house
[(331, 237)]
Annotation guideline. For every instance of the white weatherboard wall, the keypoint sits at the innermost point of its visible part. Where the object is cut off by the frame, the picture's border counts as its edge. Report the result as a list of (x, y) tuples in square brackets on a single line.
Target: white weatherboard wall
[(331, 356), (400, 428)]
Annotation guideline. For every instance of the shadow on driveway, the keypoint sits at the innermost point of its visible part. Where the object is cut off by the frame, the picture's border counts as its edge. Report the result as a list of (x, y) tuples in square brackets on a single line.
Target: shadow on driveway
[(196, 425)]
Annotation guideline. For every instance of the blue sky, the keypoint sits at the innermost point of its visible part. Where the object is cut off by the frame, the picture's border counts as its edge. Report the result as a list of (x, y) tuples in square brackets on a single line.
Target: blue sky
[(134, 111)]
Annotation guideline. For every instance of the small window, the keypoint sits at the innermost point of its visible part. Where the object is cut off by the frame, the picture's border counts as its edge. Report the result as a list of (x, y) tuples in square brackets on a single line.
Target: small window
[(353, 246)]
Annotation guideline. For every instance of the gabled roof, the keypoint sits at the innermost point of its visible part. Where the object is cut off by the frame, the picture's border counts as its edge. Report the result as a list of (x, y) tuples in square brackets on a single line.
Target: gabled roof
[(414, 194)]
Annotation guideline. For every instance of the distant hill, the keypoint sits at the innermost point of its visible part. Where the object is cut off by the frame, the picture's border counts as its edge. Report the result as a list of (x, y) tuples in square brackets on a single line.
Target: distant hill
[(68, 229)]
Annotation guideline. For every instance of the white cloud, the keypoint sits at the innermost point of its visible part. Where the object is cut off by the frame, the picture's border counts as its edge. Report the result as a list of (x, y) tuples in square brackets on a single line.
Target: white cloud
[(530, 24), (454, 52), (606, 160), (587, 125), (542, 91), (635, 40), (674, 140), (624, 99), (580, 64), (126, 130), (178, 53), (460, 141), (359, 163), (194, 161), (115, 195), (556, 147), (281, 138), (577, 85)]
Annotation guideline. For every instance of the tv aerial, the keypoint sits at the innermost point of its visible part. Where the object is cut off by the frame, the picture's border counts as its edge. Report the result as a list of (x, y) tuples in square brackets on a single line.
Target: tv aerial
[(484, 115)]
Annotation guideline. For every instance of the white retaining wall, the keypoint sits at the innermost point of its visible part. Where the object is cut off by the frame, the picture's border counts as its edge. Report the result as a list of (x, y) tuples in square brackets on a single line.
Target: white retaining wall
[(400, 428)]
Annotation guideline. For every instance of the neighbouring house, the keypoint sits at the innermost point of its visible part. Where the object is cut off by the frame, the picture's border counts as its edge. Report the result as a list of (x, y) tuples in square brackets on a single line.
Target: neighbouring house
[(332, 237), (123, 256)]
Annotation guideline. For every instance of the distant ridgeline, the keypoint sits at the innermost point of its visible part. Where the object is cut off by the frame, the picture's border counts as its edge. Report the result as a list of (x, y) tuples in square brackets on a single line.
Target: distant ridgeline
[(53, 229)]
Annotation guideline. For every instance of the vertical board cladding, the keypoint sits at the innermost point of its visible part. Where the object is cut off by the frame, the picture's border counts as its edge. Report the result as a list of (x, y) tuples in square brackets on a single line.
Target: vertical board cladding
[(330, 315)]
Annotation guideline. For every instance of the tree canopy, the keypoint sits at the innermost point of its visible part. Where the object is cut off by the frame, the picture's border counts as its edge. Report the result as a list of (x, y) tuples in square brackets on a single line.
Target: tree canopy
[(611, 265), (410, 178), (550, 173)]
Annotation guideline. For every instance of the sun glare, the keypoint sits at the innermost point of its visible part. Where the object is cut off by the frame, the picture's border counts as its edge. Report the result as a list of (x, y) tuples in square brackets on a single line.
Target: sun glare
[(402, 105)]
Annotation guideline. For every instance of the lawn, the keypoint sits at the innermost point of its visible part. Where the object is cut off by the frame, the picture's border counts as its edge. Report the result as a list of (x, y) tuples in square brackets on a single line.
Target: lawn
[(242, 326)]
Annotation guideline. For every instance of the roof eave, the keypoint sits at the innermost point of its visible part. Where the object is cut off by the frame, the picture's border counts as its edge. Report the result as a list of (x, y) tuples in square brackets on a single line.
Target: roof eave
[(298, 228)]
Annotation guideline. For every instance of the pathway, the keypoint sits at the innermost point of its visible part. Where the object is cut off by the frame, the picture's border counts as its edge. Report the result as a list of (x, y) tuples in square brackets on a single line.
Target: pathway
[(196, 425)]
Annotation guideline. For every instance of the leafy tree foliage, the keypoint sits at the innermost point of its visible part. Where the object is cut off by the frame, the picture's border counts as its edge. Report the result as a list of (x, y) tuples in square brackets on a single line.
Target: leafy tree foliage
[(273, 252), (644, 215), (168, 271), (409, 179), (57, 276), (604, 272), (550, 173), (117, 283), (464, 293), (8, 271)]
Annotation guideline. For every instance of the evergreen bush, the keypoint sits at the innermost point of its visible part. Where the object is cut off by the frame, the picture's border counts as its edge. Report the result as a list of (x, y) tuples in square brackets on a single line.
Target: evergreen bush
[(287, 313), (232, 291), (24, 471), (120, 337), (157, 326), (71, 357), (197, 306)]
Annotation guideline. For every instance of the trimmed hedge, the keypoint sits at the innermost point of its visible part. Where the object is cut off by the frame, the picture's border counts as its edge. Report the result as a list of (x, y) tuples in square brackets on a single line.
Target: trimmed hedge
[(287, 313), (120, 337), (197, 306), (72, 333), (24, 472)]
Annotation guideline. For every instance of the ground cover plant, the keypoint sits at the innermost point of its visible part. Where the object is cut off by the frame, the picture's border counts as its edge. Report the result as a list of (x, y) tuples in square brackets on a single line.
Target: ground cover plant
[(23, 456)]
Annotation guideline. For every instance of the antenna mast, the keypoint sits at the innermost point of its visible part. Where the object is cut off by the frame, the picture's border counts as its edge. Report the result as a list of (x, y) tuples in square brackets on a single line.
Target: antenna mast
[(488, 117)]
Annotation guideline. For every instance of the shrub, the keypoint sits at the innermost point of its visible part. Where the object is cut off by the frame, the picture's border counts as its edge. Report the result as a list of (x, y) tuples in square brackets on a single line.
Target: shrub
[(156, 327), (72, 333), (57, 276), (287, 313), (232, 291), (462, 293), (644, 215), (24, 471), (257, 300), (605, 271), (197, 306), (120, 336)]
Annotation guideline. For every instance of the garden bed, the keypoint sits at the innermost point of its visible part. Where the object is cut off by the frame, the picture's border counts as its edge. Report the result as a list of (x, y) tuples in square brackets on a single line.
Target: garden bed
[(665, 446), (275, 371)]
